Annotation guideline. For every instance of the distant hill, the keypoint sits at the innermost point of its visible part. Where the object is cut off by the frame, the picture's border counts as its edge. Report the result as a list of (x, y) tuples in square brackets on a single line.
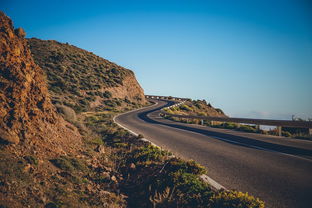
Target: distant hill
[(82, 80)]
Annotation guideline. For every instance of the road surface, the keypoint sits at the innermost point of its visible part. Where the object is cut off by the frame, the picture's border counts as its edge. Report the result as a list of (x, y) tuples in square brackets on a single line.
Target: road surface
[(277, 170)]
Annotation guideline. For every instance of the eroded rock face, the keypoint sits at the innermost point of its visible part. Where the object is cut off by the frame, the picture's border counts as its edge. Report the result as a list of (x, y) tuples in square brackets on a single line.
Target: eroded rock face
[(25, 107), (23, 92)]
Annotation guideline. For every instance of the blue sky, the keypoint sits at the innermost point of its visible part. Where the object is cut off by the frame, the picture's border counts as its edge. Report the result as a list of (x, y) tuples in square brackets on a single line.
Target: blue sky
[(249, 58)]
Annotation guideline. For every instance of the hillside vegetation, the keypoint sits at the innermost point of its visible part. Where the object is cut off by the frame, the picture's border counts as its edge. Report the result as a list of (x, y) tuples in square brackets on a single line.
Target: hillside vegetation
[(194, 108), (83, 81)]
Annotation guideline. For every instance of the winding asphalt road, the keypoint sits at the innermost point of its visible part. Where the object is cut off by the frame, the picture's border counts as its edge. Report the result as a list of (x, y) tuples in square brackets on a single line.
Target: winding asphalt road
[(277, 170)]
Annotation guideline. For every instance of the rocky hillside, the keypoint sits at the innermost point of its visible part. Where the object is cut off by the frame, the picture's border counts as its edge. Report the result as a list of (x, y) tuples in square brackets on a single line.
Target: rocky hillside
[(83, 81), (26, 112)]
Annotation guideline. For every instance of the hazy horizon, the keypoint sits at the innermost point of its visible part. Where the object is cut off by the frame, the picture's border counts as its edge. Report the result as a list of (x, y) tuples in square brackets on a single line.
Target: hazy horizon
[(251, 59)]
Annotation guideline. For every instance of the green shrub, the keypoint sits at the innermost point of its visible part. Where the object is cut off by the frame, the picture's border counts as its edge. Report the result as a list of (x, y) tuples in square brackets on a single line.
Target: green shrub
[(202, 114), (120, 145), (69, 164), (63, 163), (235, 199), (107, 94), (229, 125), (247, 128), (84, 102), (191, 191), (190, 166), (78, 164), (109, 103), (96, 141), (31, 160), (149, 153), (180, 190), (185, 108)]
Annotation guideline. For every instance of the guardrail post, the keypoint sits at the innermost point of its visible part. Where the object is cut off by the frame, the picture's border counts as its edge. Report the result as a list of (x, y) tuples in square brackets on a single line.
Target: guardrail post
[(212, 123), (202, 122), (279, 130)]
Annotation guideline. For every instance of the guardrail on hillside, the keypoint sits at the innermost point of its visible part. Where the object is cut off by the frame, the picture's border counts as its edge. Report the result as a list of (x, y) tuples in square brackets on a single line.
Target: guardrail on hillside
[(268, 122), (166, 97)]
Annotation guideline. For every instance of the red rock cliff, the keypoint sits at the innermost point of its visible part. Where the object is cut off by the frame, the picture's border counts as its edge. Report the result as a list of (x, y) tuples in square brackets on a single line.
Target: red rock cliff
[(25, 108)]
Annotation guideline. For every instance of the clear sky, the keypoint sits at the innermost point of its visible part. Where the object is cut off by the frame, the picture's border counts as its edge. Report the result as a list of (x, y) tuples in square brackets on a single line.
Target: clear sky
[(249, 58)]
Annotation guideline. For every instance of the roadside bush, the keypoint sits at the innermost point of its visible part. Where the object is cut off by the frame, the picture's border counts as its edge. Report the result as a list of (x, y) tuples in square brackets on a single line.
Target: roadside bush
[(235, 199), (179, 190), (189, 166), (249, 129), (148, 153), (191, 191), (229, 125)]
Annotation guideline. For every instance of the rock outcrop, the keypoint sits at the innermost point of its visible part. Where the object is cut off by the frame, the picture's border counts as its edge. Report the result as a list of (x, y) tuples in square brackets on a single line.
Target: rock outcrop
[(26, 112)]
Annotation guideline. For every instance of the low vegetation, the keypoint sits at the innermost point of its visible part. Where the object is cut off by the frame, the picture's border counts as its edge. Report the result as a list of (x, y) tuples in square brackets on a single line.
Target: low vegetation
[(201, 108)]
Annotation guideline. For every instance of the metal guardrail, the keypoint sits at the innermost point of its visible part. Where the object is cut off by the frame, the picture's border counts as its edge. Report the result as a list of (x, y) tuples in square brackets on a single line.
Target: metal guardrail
[(268, 122), (166, 97)]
